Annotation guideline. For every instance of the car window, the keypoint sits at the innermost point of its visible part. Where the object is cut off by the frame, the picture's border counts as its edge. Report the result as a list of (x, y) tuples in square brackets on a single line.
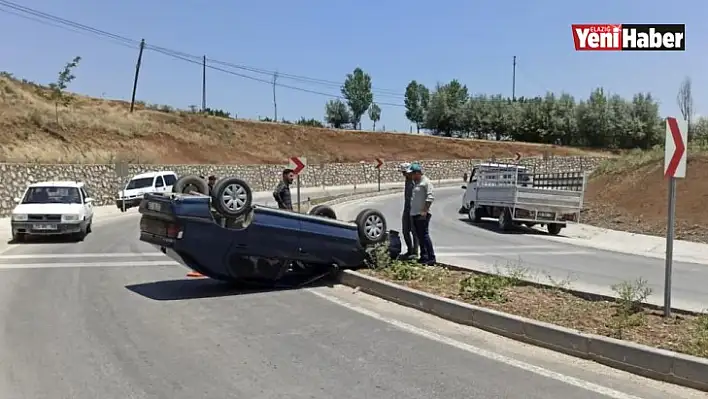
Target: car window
[(143, 182), (52, 195), (170, 179), (159, 182)]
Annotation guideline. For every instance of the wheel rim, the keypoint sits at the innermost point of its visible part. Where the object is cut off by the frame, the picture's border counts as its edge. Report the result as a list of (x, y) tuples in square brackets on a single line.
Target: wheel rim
[(470, 213), (502, 219), (234, 197), (373, 227)]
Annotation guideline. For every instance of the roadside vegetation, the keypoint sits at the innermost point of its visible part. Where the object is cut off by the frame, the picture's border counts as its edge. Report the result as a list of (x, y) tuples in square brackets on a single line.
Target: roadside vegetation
[(515, 290)]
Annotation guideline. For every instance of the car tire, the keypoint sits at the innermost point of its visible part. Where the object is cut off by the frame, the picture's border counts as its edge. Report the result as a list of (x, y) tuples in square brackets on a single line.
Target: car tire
[(232, 197), (323, 211), (18, 237), (186, 184), (371, 225)]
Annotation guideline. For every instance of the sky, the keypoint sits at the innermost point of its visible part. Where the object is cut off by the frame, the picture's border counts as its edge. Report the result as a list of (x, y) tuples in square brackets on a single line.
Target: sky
[(394, 41)]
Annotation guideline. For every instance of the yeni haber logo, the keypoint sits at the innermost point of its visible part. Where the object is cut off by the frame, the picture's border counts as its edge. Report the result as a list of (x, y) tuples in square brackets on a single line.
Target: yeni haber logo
[(626, 37)]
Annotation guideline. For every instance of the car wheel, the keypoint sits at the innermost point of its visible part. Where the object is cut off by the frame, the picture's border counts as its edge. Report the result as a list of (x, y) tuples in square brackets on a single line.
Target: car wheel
[(232, 197), (372, 226), (186, 184), (18, 237), (323, 211), (505, 221)]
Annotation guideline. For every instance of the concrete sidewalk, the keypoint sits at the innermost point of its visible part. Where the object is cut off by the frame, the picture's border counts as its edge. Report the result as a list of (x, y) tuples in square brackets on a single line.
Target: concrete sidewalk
[(630, 243)]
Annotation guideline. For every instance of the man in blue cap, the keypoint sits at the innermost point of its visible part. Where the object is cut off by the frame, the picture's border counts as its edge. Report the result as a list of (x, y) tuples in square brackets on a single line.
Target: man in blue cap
[(421, 201)]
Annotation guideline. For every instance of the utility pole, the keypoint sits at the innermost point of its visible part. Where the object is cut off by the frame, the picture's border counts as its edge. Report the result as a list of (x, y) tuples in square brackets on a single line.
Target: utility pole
[(137, 73), (275, 103), (513, 81), (204, 83)]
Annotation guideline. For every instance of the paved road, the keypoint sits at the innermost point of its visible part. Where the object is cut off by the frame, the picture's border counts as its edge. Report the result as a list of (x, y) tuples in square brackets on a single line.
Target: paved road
[(112, 318), (460, 242)]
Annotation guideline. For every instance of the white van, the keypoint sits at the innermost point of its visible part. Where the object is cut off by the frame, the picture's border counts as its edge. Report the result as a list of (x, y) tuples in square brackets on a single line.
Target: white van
[(139, 185)]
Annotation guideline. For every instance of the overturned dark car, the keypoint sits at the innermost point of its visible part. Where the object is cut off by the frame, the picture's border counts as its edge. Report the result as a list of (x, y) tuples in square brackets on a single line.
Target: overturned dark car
[(222, 235)]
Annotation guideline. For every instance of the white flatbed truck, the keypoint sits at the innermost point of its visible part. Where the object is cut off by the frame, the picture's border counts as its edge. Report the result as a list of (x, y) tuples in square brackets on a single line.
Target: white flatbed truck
[(514, 195)]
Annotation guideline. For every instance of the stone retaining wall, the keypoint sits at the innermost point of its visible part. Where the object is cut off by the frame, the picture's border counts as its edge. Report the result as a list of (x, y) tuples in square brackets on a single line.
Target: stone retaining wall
[(103, 183)]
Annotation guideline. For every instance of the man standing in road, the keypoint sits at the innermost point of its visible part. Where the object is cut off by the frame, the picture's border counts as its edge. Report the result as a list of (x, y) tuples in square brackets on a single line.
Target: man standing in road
[(421, 201), (211, 182), (409, 235), (282, 190)]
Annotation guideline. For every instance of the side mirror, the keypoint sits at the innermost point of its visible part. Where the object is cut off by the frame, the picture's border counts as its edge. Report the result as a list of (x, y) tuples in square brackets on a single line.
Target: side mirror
[(88, 200), (17, 200), (464, 187)]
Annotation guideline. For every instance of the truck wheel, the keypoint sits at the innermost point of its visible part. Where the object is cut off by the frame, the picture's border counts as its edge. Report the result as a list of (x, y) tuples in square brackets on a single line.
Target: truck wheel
[(372, 226), (232, 197), (186, 184), (505, 221), (554, 229), (474, 214), (323, 211)]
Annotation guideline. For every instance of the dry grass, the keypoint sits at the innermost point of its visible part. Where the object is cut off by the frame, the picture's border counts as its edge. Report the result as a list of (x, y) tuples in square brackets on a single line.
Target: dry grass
[(630, 194), (509, 292), (101, 131)]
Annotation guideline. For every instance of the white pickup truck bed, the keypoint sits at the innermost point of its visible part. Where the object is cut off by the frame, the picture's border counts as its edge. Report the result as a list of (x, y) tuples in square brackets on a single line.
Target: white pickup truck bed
[(551, 199)]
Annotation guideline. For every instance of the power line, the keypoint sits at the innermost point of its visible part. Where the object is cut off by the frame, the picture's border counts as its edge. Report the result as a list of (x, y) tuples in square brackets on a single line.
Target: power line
[(76, 27)]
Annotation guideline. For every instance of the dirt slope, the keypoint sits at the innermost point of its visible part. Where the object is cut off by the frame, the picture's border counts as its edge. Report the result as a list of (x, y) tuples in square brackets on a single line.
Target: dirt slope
[(637, 200), (95, 130)]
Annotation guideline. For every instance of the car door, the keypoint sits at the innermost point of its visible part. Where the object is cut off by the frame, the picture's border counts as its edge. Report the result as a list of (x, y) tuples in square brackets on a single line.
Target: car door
[(87, 205), (158, 184), (170, 180)]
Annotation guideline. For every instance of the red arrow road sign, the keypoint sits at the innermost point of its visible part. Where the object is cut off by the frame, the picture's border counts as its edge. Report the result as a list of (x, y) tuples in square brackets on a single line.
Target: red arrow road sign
[(675, 151), (297, 164), (379, 162), (517, 156)]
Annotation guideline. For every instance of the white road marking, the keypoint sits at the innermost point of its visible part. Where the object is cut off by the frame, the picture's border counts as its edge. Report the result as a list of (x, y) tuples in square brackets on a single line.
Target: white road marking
[(83, 255), (87, 264), (515, 247), (589, 386), (511, 252)]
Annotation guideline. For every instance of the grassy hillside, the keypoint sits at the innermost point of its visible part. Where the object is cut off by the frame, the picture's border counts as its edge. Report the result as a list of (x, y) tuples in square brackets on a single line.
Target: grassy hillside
[(93, 130)]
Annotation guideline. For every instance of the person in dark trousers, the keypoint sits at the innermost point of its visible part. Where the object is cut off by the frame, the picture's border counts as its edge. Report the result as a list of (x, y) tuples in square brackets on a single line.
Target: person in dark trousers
[(282, 190), (409, 236), (421, 201), (211, 182)]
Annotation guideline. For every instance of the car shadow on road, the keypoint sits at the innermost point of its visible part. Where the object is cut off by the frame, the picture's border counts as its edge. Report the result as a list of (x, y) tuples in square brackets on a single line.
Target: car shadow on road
[(199, 288), (491, 225), (59, 239)]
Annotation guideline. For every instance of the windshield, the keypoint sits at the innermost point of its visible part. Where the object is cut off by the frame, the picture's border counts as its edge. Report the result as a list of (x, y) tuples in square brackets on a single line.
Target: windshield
[(52, 195), (140, 183)]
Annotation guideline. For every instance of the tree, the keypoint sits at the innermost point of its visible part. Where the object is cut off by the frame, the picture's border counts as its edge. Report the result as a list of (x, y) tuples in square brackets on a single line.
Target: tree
[(57, 93), (684, 98), (374, 114), (602, 121), (357, 91), (337, 114), (700, 130), (417, 99)]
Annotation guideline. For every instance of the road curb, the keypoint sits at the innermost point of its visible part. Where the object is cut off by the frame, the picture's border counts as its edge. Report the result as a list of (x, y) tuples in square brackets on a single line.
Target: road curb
[(659, 364)]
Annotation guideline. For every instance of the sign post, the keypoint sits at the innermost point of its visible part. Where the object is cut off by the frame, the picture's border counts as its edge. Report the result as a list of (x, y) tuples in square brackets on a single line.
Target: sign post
[(379, 163), (298, 164), (674, 168)]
